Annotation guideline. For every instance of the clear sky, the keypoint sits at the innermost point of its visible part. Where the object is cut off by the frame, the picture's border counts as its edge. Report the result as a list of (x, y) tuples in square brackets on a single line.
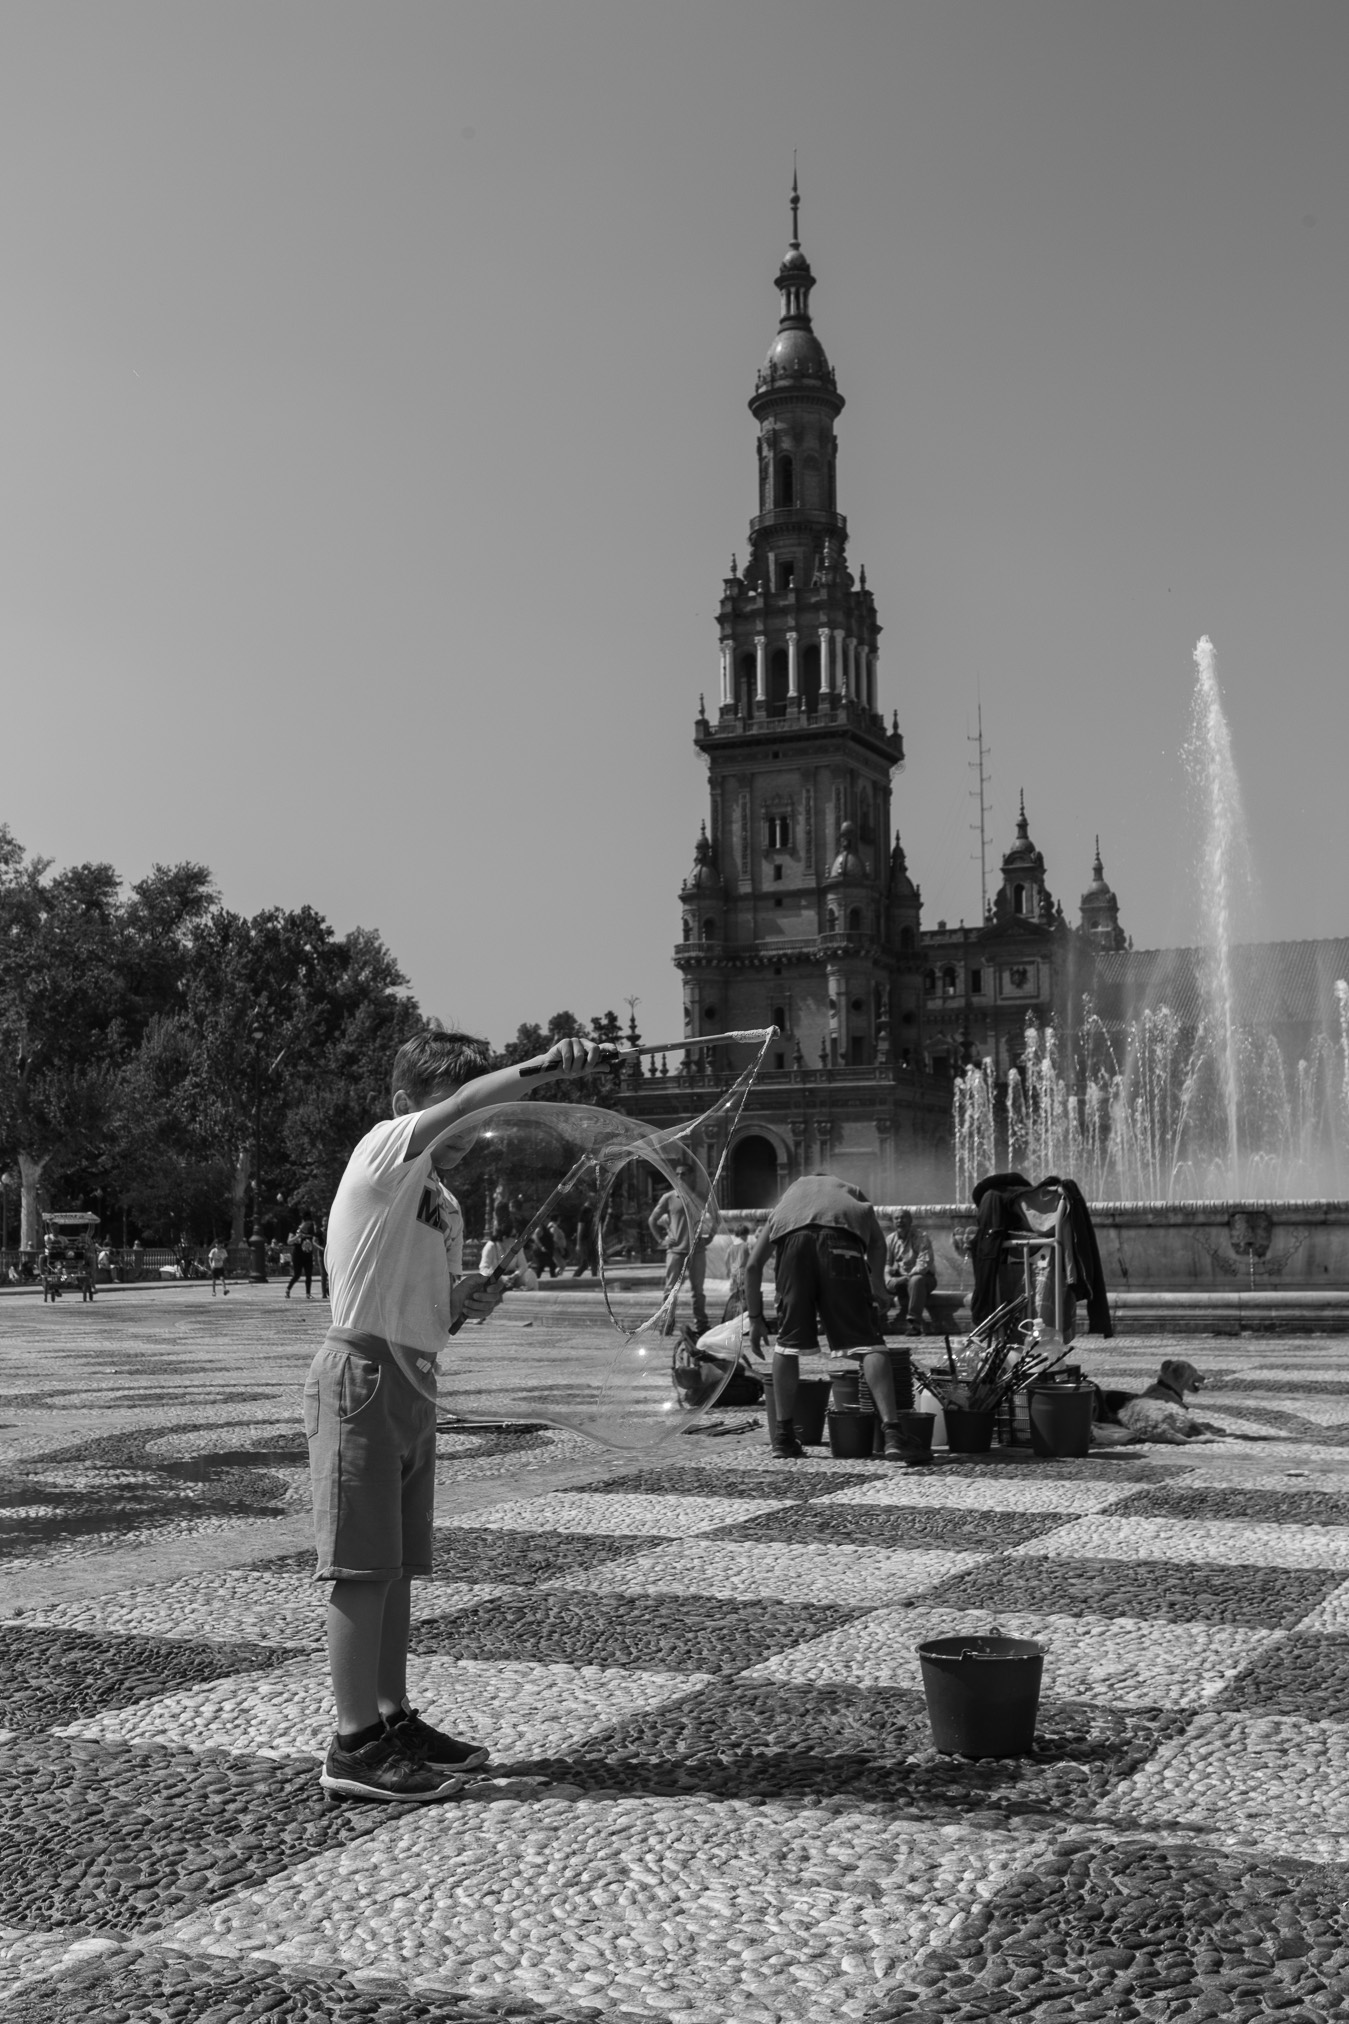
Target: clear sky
[(375, 442)]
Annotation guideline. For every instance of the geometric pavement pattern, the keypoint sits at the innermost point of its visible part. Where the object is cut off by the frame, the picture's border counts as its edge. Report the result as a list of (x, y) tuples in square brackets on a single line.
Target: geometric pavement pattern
[(713, 1791)]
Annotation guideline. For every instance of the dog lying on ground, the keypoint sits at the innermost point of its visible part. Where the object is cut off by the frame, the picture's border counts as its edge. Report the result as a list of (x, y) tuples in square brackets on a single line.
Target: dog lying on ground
[(1159, 1413)]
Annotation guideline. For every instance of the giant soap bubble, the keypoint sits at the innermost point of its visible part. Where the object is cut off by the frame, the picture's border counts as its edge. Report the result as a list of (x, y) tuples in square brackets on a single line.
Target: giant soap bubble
[(603, 1368)]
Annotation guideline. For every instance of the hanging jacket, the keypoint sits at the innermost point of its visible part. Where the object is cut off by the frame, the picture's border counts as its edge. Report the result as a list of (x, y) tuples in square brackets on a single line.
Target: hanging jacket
[(994, 1196), (1089, 1279)]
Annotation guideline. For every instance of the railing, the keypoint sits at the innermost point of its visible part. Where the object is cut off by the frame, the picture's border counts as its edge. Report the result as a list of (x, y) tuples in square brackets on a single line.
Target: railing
[(779, 718)]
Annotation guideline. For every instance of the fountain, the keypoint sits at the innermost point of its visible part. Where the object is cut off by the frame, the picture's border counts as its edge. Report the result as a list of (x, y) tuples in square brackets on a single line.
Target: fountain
[(1224, 875), (1214, 1165)]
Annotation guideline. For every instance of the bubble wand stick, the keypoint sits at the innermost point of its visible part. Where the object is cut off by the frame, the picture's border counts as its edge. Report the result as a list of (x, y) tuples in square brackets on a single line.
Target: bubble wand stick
[(753, 1036)]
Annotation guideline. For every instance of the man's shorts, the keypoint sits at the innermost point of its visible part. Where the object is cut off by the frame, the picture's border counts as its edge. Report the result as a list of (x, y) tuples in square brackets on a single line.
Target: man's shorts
[(823, 1271), (372, 1463)]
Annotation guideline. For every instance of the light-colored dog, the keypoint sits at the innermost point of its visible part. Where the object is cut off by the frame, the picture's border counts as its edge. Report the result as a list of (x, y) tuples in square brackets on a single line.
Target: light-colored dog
[(1159, 1413)]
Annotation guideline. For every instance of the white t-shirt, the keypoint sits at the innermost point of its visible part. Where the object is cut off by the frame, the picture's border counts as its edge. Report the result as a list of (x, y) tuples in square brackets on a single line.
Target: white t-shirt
[(395, 1242)]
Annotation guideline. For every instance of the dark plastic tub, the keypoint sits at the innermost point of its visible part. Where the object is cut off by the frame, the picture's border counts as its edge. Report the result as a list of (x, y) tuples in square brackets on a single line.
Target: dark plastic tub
[(915, 1438), (851, 1435), (1060, 1419), (969, 1432), (983, 1694), (844, 1391)]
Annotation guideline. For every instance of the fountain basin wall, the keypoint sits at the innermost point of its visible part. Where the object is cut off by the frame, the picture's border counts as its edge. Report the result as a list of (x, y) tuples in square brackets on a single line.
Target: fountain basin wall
[(1178, 1266)]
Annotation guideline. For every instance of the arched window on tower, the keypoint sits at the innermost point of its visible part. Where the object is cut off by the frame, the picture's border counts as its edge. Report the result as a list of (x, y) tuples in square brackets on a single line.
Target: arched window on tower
[(745, 697), (785, 491), (777, 683), (709, 930), (780, 1018), (854, 920), (1018, 899), (810, 678)]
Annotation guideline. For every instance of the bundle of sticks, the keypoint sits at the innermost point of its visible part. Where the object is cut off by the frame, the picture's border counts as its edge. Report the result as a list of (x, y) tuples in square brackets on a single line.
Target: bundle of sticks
[(1008, 1359)]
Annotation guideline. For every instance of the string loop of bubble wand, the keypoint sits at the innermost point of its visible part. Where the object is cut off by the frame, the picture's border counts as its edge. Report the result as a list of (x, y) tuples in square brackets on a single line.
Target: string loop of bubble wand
[(765, 1035), (615, 1056)]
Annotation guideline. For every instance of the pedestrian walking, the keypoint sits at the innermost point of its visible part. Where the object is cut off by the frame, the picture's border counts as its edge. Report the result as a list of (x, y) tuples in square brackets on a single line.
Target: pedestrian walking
[(302, 1256), (685, 1240), (88, 1270), (587, 1250), (737, 1255), (218, 1259)]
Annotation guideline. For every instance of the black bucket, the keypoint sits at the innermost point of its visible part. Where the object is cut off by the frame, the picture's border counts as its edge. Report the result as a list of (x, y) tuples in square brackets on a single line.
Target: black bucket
[(983, 1694), (851, 1435), (1060, 1419), (915, 1438), (969, 1431)]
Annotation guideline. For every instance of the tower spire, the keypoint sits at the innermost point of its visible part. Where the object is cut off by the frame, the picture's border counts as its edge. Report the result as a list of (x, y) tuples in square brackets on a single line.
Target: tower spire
[(796, 206)]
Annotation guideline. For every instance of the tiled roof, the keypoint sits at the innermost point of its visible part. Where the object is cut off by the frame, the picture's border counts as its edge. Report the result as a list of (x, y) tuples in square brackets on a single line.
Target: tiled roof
[(1274, 983)]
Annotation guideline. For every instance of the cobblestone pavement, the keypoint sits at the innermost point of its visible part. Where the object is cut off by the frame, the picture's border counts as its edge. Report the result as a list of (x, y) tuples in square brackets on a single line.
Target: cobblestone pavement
[(713, 1793)]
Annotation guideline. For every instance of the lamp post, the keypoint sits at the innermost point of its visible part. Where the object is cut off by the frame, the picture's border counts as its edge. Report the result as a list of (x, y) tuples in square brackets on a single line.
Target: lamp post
[(257, 1243), (257, 1246)]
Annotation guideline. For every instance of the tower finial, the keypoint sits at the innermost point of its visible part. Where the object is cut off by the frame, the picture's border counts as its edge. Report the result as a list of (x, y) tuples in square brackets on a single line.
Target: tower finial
[(796, 205)]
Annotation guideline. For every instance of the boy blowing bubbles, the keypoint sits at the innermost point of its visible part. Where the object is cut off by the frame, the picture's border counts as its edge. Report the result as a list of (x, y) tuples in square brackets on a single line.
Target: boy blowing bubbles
[(395, 1258)]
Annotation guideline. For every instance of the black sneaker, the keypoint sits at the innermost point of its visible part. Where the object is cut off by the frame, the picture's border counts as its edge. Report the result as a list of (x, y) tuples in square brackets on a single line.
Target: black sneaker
[(431, 1747), (383, 1769)]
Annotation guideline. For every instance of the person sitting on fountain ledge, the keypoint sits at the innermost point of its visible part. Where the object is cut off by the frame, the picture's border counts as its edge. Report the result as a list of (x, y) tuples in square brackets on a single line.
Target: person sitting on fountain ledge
[(829, 1260)]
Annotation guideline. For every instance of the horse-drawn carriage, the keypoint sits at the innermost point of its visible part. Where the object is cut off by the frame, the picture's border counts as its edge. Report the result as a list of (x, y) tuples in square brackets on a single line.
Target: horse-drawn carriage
[(67, 1257)]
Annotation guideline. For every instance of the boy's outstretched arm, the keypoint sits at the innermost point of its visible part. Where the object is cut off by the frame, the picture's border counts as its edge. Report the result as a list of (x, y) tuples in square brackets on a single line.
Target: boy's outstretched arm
[(505, 1085)]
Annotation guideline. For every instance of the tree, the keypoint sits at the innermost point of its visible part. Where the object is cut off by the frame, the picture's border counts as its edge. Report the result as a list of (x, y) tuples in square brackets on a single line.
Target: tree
[(296, 1032), (61, 1015)]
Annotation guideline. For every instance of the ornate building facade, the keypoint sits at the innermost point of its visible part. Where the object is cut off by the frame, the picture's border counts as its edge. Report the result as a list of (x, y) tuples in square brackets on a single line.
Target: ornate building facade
[(1026, 961), (799, 911)]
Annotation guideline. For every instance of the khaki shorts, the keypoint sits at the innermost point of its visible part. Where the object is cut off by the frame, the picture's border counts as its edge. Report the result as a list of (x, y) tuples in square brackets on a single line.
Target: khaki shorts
[(372, 1463)]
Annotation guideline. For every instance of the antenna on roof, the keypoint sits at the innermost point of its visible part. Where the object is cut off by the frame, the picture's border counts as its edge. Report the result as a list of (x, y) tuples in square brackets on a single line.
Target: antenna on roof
[(978, 766)]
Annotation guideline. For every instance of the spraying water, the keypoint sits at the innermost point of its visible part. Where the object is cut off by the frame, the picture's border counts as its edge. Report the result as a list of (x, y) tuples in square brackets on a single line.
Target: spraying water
[(1224, 877)]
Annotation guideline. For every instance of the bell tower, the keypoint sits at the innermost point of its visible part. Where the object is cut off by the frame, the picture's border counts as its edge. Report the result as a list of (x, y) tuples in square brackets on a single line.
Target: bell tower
[(799, 911)]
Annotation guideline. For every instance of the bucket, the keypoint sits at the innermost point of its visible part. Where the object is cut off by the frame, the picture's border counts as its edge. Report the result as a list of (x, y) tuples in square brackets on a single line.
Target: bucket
[(915, 1438), (851, 1435), (812, 1402), (983, 1693), (901, 1368), (844, 1388), (968, 1431), (1060, 1419)]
